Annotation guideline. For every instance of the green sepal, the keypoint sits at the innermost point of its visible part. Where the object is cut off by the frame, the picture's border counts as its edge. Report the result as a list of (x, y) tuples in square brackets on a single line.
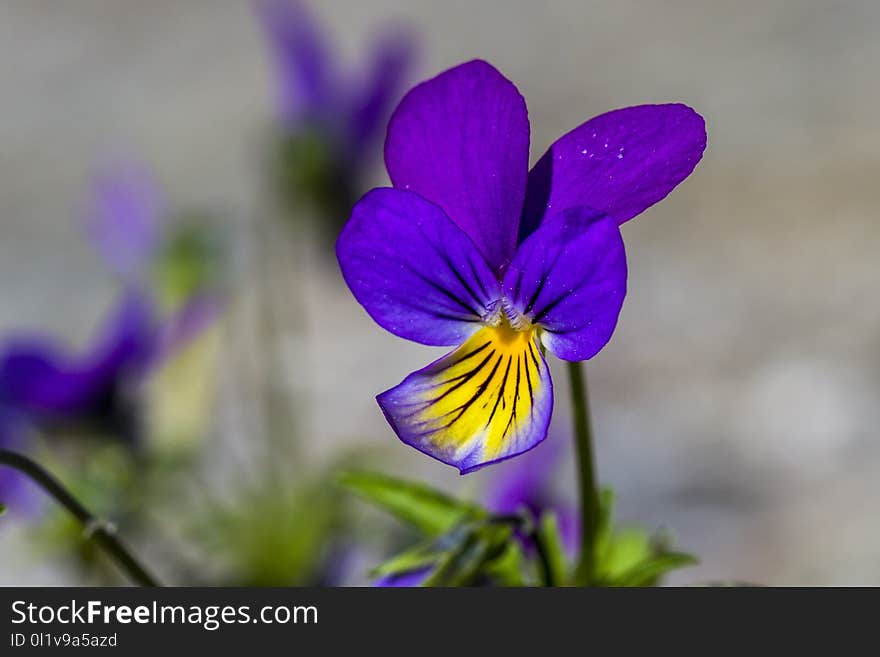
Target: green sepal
[(631, 556), (649, 571)]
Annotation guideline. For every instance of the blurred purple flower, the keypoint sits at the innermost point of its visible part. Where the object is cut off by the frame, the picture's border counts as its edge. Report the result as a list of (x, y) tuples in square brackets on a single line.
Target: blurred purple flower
[(471, 249), (44, 382), (47, 384), (313, 93)]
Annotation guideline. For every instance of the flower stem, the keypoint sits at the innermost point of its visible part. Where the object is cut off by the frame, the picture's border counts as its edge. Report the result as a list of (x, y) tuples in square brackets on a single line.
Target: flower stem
[(589, 492), (101, 531)]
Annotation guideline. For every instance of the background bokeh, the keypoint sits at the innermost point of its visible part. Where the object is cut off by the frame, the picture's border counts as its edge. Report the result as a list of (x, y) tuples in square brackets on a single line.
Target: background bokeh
[(737, 404)]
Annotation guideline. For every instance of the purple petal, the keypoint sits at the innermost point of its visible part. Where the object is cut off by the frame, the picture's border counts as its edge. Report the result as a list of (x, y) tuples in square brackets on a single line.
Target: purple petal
[(569, 277), (128, 343), (39, 376), (487, 401), (392, 60), (619, 163), (305, 68), (124, 219), (461, 140), (409, 579), (414, 271)]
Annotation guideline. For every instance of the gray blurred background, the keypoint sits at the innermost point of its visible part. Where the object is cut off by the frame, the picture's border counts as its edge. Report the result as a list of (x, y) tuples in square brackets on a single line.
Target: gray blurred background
[(737, 404)]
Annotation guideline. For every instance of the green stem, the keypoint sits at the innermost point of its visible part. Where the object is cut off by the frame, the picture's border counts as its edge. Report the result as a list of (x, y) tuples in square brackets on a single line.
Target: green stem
[(583, 437), (99, 530)]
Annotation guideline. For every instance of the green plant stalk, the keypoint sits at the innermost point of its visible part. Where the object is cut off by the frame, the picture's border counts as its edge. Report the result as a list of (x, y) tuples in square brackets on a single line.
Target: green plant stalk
[(585, 570), (93, 527)]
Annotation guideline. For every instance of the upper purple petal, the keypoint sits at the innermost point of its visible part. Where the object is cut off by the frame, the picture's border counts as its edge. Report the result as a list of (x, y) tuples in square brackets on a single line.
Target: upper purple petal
[(461, 140), (391, 62), (307, 78), (124, 219), (569, 276), (414, 271), (619, 163)]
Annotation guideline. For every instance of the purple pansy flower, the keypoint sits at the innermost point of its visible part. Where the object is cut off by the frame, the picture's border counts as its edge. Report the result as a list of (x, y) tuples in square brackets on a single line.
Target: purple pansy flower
[(470, 248)]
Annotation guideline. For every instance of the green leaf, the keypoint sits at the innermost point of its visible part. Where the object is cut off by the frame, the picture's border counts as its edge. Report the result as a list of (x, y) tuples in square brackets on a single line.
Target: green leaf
[(2, 509), (508, 568), (420, 556), (651, 569), (551, 544), (625, 549), (631, 556), (469, 554), (464, 566), (426, 508)]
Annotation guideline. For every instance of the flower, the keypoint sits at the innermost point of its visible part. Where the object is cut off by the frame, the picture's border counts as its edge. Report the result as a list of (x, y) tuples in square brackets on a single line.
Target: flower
[(470, 248), (330, 119), (45, 383)]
